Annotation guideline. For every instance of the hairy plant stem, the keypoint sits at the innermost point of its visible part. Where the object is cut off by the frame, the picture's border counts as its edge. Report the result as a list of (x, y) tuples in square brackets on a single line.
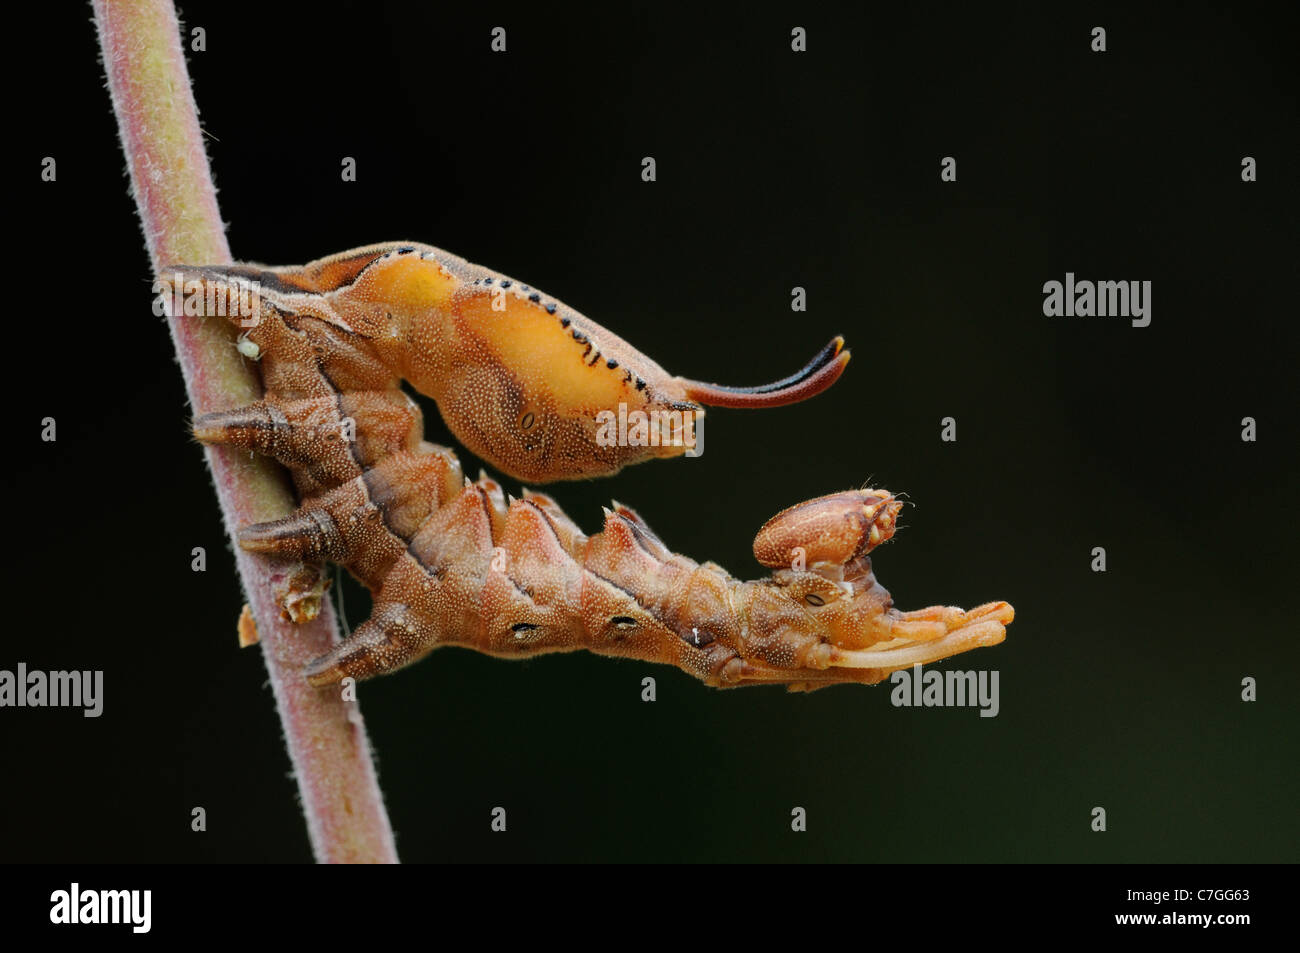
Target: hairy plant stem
[(173, 190)]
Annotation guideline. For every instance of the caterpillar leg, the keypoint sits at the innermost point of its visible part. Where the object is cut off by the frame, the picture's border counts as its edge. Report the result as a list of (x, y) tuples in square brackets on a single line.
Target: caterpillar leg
[(310, 435), (436, 589), (936, 622), (365, 524), (806, 661), (928, 635), (389, 640)]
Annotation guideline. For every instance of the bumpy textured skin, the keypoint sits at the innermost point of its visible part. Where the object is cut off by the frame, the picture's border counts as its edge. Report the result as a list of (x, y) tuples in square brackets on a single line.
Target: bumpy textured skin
[(454, 562)]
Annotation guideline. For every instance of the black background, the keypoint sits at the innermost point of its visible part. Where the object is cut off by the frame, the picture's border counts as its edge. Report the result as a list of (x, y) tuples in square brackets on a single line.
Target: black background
[(775, 169)]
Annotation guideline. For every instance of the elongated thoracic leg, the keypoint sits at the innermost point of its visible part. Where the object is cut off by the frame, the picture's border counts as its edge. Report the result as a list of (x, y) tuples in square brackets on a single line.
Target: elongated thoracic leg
[(916, 641)]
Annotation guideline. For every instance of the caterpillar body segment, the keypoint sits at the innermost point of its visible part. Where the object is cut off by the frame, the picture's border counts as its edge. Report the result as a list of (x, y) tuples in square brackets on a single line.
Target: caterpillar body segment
[(521, 379)]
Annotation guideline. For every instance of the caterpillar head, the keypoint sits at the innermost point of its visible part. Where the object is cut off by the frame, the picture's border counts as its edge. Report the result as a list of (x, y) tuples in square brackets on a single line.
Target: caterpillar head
[(832, 530), (826, 618), (818, 551)]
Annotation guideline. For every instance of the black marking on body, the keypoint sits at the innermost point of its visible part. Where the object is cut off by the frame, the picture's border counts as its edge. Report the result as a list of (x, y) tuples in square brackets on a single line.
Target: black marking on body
[(613, 585), (631, 595), (546, 518), (487, 511), (648, 533), (250, 274), (638, 538), (522, 590)]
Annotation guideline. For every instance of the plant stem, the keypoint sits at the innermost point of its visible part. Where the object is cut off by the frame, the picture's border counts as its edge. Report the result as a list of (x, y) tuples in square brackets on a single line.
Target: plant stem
[(172, 185)]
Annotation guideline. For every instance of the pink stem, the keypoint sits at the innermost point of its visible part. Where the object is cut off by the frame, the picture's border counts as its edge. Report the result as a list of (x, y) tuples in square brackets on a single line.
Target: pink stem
[(173, 189)]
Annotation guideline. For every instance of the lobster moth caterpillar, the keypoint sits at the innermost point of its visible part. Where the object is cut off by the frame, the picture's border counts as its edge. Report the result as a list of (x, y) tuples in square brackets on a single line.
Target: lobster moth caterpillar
[(522, 380)]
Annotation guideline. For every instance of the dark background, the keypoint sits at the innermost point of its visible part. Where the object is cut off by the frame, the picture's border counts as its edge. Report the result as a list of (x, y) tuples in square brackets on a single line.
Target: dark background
[(775, 169)]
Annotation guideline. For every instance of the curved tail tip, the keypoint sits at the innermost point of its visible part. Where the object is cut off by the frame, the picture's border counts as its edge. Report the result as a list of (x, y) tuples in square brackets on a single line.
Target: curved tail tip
[(816, 376)]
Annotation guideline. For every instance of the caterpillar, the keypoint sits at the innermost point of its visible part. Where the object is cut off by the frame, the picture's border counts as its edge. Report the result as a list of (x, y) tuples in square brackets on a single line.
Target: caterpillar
[(523, 381)]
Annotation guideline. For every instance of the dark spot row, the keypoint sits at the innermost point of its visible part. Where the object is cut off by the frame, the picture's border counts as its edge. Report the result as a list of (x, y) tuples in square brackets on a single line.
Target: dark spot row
[(534, 297)]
